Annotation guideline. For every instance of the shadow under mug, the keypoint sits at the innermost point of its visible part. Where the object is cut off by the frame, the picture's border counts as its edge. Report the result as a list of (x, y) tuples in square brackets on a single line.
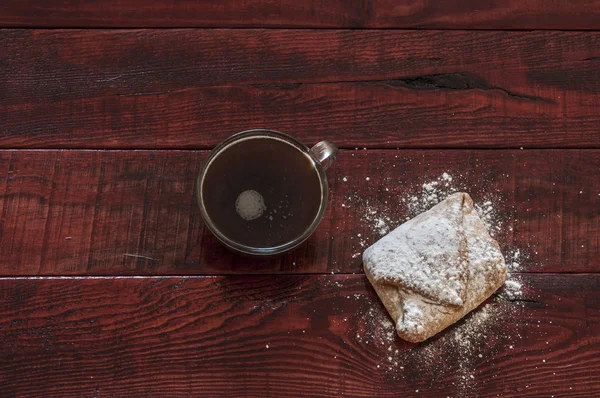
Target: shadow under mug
[(285, 179)]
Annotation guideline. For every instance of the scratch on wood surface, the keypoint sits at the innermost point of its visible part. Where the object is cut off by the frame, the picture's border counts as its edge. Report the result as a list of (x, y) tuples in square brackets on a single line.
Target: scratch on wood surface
[(109, 79), (139, 256), (282, 86), (144, 94)]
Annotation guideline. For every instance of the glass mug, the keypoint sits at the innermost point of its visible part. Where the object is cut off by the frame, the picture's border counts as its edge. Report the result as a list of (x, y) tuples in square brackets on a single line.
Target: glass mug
[(262, 192)]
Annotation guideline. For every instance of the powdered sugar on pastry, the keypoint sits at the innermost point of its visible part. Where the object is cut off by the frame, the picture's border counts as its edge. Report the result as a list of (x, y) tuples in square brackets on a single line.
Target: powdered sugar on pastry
[(416, 312), (435, 268), (424, 255)]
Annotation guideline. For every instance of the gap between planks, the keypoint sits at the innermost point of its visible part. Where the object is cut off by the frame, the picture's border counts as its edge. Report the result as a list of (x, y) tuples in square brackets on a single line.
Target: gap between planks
[(340, 147), (324, 274)]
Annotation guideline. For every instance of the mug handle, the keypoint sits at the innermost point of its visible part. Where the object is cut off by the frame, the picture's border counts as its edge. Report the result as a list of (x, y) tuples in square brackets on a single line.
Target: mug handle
[(324, 152)]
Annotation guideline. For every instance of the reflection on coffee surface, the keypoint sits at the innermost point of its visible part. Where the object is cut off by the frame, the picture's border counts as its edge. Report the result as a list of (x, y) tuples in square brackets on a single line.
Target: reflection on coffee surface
[(262, 192)]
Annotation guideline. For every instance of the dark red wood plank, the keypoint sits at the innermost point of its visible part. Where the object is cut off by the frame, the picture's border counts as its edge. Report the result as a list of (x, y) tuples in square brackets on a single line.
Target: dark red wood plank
[(288, 336), (135, 212), (381, 89), (504, 14)]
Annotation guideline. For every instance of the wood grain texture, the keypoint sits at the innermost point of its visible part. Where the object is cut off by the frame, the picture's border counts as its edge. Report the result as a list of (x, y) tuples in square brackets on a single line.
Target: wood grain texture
[(134, 212), (379, 89), (287, 336), (504, 14)]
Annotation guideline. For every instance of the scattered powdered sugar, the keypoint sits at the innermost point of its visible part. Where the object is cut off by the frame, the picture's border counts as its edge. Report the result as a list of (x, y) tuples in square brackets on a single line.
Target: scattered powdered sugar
[(379, 222), (467, 344), (512, 289), (488, 214), (455, 354), (430, 194), (381, 225), (379, 330), (383, 216), (389, 327), (514, 260), (461, 348)]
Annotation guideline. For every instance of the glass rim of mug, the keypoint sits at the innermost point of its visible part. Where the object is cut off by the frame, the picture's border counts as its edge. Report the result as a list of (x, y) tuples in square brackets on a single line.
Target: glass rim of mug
[(269, 134)]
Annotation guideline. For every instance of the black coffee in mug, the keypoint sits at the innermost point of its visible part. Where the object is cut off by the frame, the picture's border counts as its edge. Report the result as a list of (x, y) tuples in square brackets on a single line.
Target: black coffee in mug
[(262, 192)]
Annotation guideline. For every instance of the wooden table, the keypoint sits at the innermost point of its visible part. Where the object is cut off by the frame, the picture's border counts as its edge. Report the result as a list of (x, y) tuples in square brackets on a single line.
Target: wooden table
[(111, 287)]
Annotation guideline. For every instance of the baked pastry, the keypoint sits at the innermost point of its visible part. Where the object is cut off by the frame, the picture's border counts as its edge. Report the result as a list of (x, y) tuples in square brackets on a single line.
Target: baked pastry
[(435, 268)]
